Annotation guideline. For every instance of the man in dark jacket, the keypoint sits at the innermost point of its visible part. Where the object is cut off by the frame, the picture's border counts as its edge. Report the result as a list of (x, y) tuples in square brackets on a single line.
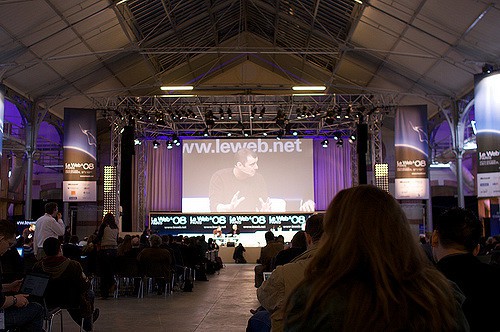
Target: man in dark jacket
[(67, 274), (455, 244)]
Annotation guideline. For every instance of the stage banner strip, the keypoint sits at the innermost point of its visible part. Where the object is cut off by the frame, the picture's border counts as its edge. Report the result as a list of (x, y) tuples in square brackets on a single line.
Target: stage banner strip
[(487, 115), (80, 151), (2, 112), (164, 222), (412, 156)]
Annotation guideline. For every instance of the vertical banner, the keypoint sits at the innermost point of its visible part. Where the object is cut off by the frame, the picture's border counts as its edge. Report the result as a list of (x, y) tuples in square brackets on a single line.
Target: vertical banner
[(2, 111), (80, 147), (487, 115), (412, 146)]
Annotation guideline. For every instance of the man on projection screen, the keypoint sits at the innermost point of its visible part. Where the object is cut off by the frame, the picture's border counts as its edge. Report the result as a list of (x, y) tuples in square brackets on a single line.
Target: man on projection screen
[(241, 188)]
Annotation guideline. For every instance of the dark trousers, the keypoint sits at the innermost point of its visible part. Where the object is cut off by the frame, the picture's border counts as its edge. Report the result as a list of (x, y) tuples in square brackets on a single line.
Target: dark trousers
[(29, 318), (106, 263)]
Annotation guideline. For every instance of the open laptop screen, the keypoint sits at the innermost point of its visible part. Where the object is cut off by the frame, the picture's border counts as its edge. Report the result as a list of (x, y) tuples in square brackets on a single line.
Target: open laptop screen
[(34, 284)]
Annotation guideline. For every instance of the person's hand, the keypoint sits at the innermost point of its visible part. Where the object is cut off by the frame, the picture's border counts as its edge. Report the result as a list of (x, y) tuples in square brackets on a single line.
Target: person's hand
[(235, 201), (13, 286), (307, 206), (265, 206), (22, 300), (59, 216)]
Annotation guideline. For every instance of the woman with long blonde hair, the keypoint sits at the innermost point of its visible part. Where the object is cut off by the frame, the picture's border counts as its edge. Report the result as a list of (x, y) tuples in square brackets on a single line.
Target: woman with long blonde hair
[(369, 274)]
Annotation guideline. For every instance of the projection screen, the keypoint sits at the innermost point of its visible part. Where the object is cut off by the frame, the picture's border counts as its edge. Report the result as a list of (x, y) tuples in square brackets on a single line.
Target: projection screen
[(247, 175)]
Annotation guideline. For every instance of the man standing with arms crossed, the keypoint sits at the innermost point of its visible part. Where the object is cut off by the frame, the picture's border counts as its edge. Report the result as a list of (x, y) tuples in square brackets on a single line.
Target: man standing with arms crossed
[(47, 226)]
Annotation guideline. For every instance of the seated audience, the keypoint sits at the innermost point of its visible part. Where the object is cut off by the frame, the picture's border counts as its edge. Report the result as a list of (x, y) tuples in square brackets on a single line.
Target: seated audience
[(19, 313), (212, 245), (125, 246), (369, 274), (238, 256), (155, 262), (272, 294), (267, 253), (67, 272), (297, 246), (71, 249), (455, 243)]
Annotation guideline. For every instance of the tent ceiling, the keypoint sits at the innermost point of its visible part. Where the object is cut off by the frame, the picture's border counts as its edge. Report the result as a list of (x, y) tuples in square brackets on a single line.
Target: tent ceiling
[(70, 53)]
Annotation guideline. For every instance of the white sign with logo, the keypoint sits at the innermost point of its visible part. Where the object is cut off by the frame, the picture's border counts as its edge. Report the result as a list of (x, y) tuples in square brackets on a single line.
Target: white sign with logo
[(79, 191)]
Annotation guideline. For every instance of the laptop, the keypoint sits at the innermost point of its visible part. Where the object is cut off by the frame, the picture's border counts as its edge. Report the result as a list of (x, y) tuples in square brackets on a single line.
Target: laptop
[(35, 284)]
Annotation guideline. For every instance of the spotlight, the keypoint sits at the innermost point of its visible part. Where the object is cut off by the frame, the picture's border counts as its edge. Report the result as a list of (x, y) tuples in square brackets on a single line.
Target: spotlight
[(329, 118), (298, 111), (280, 135), (176, 140), (156, 144), (206, 133), (264, 134), (245, 133), (487, 68), (228, 134), (324, 143), (336, 136), (229, 113), (254, 111), (160, 120), (209, 118), (221, 113), (280, 118), (262, 112), (137, 142), (169, 145), (340, 142)]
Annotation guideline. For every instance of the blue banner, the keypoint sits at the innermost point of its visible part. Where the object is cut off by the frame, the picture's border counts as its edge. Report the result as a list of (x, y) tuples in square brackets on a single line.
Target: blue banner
[(487, 115), (412, 156), (80, 150)]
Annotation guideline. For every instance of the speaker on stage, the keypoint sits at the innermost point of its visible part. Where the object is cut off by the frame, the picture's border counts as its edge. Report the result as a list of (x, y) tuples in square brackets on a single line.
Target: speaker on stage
[(126, 159)]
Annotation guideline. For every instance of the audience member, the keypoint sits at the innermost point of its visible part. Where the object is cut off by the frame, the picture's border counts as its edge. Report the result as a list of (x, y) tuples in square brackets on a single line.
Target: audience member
[(68, 274), (267, 253), (125, 246), (455, 243), (107, 238), (212, 245), (272, 294), (297, 246), (155, 262), (29, 232), (368, 274), (145, 237), (90, 253), (71, 249), (238, 256), (18, 312), (47, 226)]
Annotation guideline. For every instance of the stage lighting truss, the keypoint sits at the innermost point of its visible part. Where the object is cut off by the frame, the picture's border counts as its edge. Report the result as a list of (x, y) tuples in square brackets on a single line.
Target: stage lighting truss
[(304, 116)]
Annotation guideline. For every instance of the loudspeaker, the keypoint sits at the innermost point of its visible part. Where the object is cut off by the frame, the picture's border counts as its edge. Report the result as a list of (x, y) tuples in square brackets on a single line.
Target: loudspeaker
[(362, 149), (127, 153), (362, 137)]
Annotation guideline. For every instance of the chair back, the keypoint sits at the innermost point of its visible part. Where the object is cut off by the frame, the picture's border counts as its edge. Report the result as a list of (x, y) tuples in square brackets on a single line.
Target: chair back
[(63, 293)]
